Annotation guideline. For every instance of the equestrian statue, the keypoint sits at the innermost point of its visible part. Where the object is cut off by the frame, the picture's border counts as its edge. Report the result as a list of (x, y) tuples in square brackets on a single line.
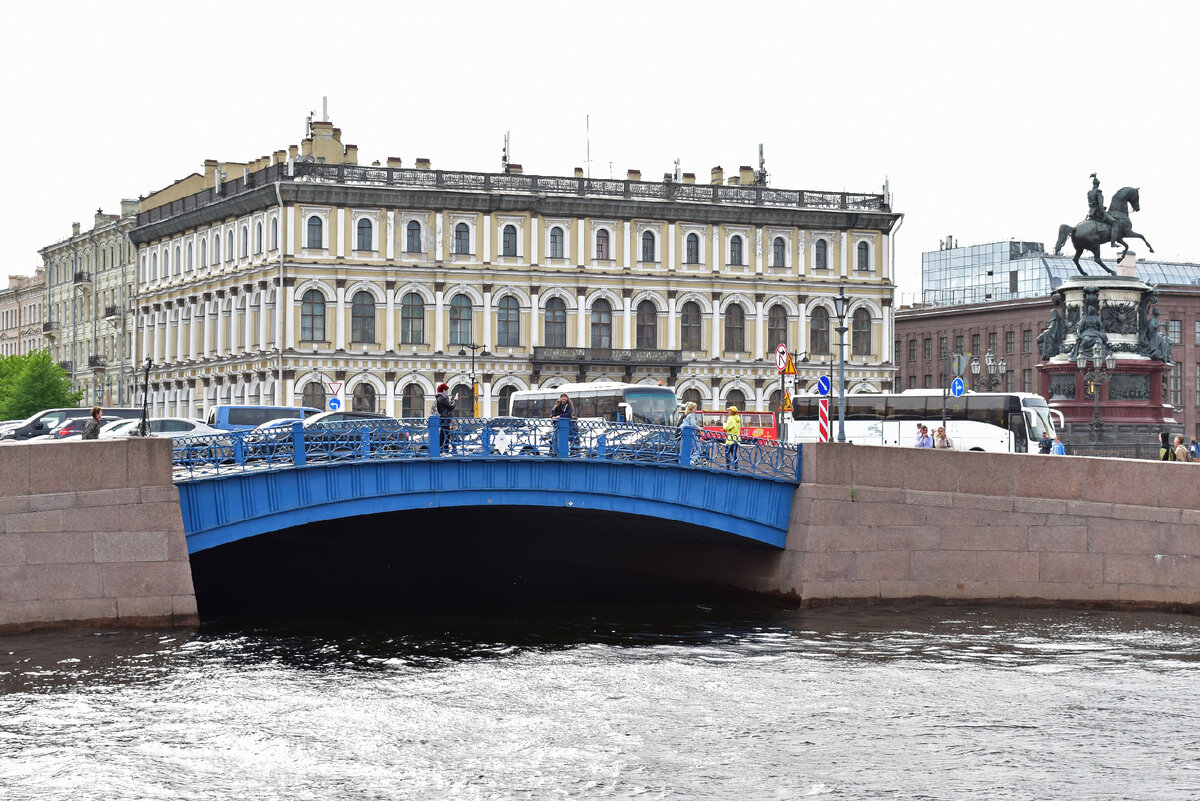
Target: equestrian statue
[(1111, 226)]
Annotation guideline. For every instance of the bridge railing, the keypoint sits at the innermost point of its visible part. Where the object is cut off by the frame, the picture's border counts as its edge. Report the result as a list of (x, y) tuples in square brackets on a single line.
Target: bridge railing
[(479, 438)]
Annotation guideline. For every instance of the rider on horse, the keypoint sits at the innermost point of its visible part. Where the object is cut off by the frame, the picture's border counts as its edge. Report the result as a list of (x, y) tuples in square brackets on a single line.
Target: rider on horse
[(1096, 211)]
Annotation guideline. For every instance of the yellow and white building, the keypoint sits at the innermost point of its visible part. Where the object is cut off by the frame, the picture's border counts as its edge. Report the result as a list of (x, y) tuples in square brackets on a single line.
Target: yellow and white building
[(297, 276)]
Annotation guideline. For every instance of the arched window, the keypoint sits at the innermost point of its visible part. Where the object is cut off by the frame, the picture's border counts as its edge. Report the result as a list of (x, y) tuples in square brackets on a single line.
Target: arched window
[(822, 255), (510, 241), (412, 320), (216, 248), (864, 256), (774, 401), (245, 242), (364, 398), (556, 242), (412, 402), (203, 253), (504, 401), (188, 251), (178, 262), (646, 335), (312, 317), (693, 249), (364, 235), (647, 246), (153, 266), (601, 324), (779, 252), (735, 250), (362, 317), (460, 320), (462, 239), (314, 395), (229, 245), (689, 324), (602, 245), (314, 233), (556, 323), (466, 401), (412, 242), (692, 395), (818, 331), (508, 322), (258, 243), (776, 326), (735, 329), (274, 234), (166, 262), (735, 397), (860, 332)]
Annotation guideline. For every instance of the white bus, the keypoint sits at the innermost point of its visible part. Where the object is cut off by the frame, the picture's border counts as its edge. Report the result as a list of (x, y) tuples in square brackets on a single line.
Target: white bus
[(601, 400), (1011, 422)]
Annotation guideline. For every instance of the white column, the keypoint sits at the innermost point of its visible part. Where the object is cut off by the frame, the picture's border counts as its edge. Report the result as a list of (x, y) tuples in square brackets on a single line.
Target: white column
[(389, 324), (884, 265), (534, 316), (234, 325), (714, 252), (671, 323), (210, 324), (152, 332), (485, 399), (626, 323), (344, 231), (844, 239), (339, 318), (487, 319), (669, 253), (581, 245), (247, 322), (759, 329), (220, 320), (630, 253), (715, 350), (195, 326), (757, 238), (181, 342), (442, 247), (289, 392), (389, 245), (438, 330), (263, 317), (581, 340), (485, 252), (535, 232)]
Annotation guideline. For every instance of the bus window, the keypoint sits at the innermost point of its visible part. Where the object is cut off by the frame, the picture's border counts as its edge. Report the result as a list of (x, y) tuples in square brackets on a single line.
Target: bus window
[(585, 406), (651, 405), (606, 408)]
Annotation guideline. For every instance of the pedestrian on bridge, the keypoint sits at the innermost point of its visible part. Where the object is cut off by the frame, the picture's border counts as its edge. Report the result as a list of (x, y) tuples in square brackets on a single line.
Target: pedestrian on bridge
[(444, 406), (733, 437)]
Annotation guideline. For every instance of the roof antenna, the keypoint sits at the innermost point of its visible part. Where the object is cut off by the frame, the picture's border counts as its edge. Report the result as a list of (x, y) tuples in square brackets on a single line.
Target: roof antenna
[(504, 155), (760, 177), (308, 126)]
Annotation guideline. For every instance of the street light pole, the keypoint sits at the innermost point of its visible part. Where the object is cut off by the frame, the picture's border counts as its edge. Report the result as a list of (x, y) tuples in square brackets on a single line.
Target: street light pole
[(474, 390), (991, 379), (1096, 376), (144, 425), (839, 307)]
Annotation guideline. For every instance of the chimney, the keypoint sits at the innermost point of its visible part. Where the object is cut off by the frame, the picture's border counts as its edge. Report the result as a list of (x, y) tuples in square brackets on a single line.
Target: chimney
[(689, 177), (74, 229), (293, 152), (747, 175), (351, 154), (718, 175), (633, 175), (515, 169), (279, 156), (579, 172), (422, 164), (395, 161), (129, 208)]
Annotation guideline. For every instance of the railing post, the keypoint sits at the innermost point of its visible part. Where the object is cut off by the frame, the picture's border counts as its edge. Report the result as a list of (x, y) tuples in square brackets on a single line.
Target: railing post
[(298, 455), (562, 437), (364, 443), (239, 448), (435, 435), (687, 444), (485, 437), (799, 460)]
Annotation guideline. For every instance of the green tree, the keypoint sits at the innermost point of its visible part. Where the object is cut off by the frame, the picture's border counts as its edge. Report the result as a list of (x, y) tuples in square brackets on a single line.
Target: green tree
[(32, 382)]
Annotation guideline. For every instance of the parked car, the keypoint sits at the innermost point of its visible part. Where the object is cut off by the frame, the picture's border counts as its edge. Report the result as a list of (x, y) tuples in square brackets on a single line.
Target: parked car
[(239, 418), (69, 429), (160, 427), (47, 419), (337, 434)]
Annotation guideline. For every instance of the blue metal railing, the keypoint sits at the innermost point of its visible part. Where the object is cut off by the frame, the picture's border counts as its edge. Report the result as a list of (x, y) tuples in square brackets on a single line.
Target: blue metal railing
[(477, 438)]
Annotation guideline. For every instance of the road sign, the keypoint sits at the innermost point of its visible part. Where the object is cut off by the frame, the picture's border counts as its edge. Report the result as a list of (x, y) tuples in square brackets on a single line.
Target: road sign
[(790, 369), (781, 357), (787, 402), (960, 364), (823, 385), (823, 425), (957, 388), (334, 404), (335, 387)]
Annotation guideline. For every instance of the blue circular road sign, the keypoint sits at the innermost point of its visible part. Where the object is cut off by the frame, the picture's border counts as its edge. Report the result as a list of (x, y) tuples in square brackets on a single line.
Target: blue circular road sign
[(334, 404), (823, 385), (957, 388)]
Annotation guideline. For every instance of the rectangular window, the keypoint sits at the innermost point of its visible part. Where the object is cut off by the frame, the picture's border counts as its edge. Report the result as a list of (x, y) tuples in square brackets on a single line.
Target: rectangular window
[(912, 382), (1010, 341), (928, 381), (1027, 380), (992, 341), (1027, 341), (912, 350), (1175, 384), (958, 344), (928, 348), (975, 345), (941, 347), (1175, 330), (1198, 332), (897, 351)]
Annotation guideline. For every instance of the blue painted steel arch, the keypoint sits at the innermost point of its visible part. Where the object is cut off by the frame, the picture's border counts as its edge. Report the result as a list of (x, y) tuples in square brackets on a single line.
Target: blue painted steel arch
[(230, 507)]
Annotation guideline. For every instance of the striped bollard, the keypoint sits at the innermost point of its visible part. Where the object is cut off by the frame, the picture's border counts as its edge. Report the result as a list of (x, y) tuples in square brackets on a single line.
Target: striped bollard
[(823, 405)]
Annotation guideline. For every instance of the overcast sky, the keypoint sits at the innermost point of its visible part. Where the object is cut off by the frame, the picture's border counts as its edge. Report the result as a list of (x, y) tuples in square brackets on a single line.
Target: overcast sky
[(986, 119)]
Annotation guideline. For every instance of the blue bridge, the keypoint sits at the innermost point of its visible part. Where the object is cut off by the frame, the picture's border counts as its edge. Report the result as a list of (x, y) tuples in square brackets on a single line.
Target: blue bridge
[(248, 483)]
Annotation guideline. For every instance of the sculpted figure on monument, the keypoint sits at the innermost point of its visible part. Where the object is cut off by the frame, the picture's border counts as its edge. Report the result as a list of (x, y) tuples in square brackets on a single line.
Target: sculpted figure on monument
[(1155, 343), (1089, 331), (1102, 226), (1051, 339)]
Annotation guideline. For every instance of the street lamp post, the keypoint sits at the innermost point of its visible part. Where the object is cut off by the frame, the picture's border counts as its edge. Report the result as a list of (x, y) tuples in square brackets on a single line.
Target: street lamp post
[(144, 426), (1101, 372), (995, 369), (839, 308), (474, 390)]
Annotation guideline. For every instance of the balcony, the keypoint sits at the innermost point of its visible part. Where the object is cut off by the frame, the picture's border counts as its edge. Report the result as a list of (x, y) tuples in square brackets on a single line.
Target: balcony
[(97, 362), (67, 366), (629, 358), (110, 312), (83, 279), (50, 328)]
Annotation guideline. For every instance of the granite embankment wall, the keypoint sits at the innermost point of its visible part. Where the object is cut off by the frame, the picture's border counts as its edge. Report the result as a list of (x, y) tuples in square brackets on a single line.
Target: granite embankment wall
[(91, 534), (885, 524)]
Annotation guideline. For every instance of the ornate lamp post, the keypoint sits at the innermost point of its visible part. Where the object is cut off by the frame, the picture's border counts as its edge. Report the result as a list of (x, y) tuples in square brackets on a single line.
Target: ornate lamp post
[(839, 308), (991, 379), (474, 390), (1102, 368), (143, 428)]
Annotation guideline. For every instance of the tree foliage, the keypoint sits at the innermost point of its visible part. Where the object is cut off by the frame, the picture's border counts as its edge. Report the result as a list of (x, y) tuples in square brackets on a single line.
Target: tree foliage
[(32, 382)]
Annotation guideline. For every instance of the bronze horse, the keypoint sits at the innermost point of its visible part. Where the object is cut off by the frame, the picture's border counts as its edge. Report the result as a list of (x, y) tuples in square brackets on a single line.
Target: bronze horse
[(1090, 234)]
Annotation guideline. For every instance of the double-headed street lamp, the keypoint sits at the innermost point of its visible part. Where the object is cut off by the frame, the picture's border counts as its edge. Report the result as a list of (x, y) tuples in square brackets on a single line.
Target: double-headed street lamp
[(995, 369), (474, 390), (839, 307), (1102, 368)]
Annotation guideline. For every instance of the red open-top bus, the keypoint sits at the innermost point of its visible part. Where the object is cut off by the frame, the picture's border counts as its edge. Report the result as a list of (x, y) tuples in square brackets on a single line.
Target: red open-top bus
[(760, 425)]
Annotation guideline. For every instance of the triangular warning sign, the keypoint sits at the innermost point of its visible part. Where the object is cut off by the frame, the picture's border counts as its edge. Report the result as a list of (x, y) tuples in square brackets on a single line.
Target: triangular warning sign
[(787, 402), (790, 368)]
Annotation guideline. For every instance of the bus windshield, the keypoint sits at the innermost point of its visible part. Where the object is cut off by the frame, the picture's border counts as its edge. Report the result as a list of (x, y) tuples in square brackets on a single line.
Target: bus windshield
[(654, 405), (1038, 418)]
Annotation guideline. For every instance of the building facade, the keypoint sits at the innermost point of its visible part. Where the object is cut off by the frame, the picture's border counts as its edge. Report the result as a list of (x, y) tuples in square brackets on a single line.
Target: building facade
[(21, 314), (304, 276), (996, 297), (90, 313)]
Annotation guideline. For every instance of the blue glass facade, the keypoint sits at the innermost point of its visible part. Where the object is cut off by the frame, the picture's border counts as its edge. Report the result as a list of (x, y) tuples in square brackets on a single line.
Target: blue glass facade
[(1015, 270)]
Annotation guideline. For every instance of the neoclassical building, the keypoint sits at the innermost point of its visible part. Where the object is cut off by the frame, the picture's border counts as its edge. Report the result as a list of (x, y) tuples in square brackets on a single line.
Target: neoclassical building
[(21, 307), (303, 276)]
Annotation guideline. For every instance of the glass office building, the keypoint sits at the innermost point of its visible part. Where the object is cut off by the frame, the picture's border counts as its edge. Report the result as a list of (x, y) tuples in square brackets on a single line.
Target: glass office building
[(1013, 270)]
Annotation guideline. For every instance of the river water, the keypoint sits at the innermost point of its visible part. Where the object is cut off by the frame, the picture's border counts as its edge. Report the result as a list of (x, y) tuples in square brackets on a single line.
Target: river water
[(719, 700)]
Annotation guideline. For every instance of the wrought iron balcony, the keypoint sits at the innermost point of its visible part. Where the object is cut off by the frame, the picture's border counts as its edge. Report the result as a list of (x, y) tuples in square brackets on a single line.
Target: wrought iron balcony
[(110, 311), (83, 278), (50, 327), (69, 366), (97, 362)]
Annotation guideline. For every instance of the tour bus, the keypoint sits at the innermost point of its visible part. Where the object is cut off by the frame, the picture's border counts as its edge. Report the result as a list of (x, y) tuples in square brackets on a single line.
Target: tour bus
[(1010, 422), (238, 418), (601, 400), (760, 425)]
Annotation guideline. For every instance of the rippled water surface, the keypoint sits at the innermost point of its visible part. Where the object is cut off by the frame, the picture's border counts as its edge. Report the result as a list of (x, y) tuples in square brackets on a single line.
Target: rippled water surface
[(685, 701)]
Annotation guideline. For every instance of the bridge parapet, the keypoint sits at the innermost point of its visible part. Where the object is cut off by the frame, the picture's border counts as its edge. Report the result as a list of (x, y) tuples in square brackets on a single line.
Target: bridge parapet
[(197, 458)]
